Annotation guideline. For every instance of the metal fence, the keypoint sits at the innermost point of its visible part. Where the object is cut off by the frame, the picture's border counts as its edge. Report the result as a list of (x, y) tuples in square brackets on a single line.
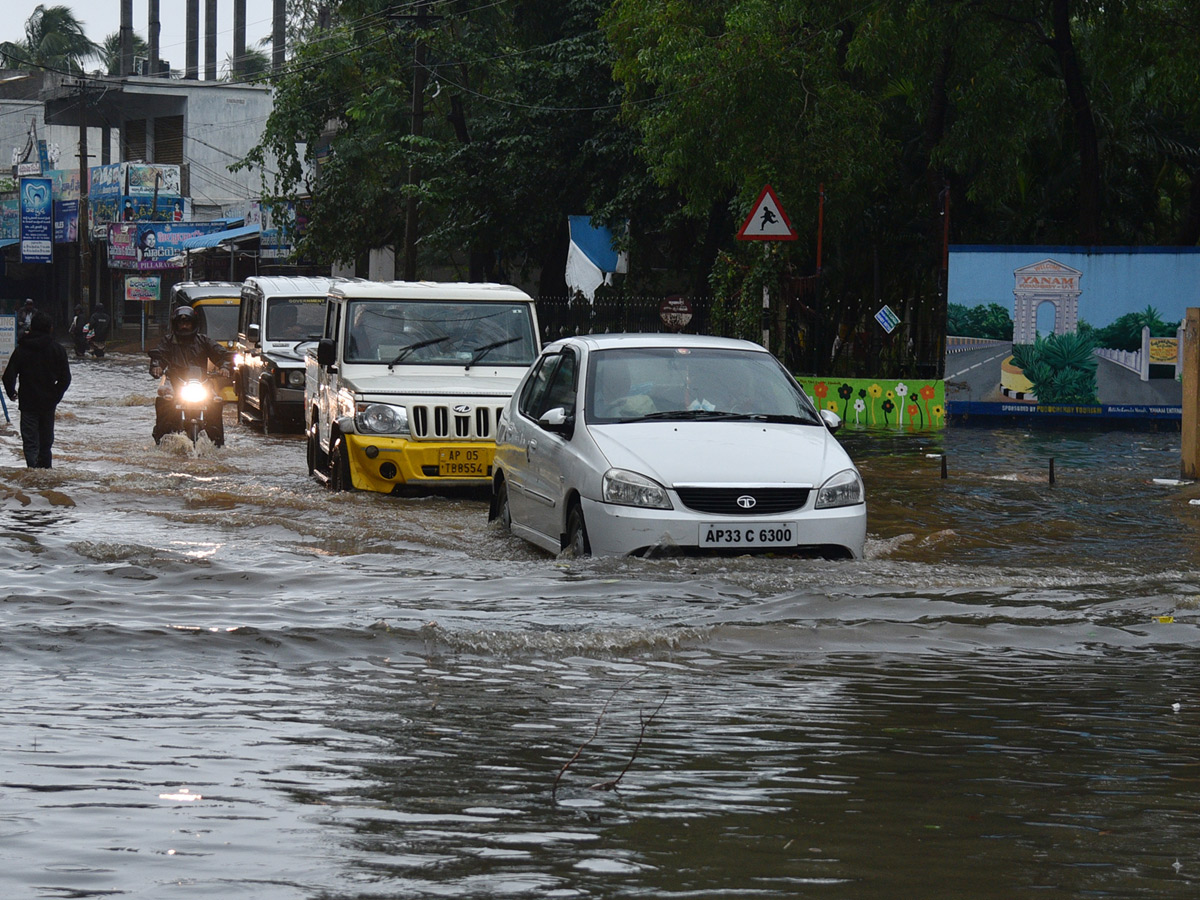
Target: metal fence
[(563, 316)]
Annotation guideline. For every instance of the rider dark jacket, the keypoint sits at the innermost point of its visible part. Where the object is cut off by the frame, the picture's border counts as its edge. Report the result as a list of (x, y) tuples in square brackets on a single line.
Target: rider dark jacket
[(177, 353)]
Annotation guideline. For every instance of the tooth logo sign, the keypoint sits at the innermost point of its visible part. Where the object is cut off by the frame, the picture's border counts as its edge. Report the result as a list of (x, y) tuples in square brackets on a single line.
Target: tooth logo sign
[(37, 197)]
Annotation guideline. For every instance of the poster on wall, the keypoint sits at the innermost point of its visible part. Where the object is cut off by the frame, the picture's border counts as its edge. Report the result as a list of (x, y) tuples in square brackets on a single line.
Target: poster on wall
[(1067, 333), (37, 220), (152, 245)]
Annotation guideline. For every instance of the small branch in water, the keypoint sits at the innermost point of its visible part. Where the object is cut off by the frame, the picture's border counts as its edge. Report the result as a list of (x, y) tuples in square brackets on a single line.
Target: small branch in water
[(612, 785), (582, 747)]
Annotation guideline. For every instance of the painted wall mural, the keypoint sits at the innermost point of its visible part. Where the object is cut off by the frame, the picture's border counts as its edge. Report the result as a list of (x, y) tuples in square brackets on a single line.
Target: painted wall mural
[(870, 403), (1067, 332)]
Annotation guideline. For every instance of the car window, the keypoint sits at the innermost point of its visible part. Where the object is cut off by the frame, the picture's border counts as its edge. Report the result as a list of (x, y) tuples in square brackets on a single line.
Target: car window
[(560, 389), (634, 384), (441, 332), (295, 318), (534, 393)]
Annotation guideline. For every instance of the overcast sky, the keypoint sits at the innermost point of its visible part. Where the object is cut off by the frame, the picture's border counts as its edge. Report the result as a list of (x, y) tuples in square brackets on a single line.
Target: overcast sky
[(101, 18)]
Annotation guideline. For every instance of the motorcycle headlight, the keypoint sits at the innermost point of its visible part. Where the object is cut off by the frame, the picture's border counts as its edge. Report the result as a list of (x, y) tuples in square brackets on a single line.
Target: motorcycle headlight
[(626, 488), (380, 418), (193, 392), (295, 378), (843, 489)]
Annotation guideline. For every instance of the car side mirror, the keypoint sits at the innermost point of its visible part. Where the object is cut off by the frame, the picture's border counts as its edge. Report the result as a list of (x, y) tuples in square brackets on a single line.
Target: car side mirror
[(831, 419), (558, 421), (326, 352), (252, 334)]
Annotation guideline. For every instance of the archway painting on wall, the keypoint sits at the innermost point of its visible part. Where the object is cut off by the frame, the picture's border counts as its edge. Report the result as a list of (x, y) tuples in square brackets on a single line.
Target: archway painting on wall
[(1062, 332)]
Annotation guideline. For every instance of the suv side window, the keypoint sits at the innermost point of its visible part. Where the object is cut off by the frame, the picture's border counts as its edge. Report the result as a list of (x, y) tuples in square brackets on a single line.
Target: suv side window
[(332, 315)]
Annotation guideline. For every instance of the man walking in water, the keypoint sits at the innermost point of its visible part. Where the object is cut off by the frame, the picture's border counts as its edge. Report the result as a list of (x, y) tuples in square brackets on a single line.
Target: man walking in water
[(37, 376)]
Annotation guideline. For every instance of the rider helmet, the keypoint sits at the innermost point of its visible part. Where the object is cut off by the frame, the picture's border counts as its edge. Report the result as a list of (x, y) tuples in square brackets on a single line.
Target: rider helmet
[(183, 321)]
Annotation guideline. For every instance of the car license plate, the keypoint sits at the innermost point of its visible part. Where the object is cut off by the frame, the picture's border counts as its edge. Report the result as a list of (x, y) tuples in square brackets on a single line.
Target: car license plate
[(460, 463), (748, 534)]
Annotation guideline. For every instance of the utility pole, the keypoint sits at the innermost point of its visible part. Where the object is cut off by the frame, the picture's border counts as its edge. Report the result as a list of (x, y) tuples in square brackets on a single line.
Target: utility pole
[(85, 254)]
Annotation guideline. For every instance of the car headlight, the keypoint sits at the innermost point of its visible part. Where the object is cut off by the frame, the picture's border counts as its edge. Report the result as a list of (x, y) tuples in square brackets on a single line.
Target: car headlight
[(843, 489), (626, 488), (295, 378), (380, 418)]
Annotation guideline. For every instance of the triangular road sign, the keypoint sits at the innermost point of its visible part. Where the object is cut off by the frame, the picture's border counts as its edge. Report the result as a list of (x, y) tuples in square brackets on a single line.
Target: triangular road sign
[(767, 221)]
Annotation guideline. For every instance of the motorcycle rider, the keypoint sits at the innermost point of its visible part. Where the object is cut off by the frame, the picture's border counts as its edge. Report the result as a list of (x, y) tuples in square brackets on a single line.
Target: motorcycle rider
[(183, 347)]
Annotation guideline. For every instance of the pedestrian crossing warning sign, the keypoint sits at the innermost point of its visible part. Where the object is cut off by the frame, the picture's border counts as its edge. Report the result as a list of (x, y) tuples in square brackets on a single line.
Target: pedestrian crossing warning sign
[(767, 221)]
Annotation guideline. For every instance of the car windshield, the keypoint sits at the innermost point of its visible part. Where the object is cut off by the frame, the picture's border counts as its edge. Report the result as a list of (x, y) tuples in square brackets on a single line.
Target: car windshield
[(439, 333), (692, 383), (219, 322), (295, 318)]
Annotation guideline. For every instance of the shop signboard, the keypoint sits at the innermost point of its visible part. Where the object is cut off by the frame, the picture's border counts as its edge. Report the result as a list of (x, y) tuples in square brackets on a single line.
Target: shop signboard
[(37, 220)]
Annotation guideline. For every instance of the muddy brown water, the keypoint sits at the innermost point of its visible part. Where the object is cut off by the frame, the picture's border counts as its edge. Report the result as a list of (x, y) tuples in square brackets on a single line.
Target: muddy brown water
[(219, 680)]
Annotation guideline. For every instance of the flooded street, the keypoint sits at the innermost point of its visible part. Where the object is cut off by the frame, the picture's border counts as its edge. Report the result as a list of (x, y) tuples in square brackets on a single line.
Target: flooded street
[(219, 680)]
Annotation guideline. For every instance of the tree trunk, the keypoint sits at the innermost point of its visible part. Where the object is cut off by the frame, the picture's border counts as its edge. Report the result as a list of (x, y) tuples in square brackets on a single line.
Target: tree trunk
[(1085, 125)]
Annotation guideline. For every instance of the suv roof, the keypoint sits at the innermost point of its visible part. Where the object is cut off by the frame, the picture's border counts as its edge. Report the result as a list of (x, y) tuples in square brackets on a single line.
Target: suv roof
[(296, 285), (428, 290)]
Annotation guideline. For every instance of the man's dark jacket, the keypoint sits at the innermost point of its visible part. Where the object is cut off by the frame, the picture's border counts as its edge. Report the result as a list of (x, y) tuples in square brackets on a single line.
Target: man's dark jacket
[(176, 355), (41, 363)]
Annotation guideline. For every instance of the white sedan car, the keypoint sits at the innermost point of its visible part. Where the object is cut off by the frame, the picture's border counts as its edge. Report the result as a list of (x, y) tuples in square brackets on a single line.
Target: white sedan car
[(643, 444)]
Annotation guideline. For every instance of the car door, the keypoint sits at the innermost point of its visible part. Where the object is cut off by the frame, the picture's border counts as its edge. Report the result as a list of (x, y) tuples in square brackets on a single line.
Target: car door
[(548, 448), (521, 430)]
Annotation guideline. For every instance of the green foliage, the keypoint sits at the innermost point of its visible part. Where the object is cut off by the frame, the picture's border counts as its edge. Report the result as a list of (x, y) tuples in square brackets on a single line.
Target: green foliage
[(990, 321), (54, 39), (1126, 332), (1061, 368), (110, 51)]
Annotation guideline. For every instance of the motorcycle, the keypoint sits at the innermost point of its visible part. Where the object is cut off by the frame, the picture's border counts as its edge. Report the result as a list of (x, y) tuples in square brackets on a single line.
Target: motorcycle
[(188, 402)]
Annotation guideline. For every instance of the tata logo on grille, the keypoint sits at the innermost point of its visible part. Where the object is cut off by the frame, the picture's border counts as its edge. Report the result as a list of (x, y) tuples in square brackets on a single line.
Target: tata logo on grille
[(746, 501), (462, 408)]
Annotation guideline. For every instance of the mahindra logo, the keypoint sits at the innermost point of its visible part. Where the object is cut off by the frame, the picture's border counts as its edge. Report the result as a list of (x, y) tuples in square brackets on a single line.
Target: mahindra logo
[(746, 501), (462, 408)]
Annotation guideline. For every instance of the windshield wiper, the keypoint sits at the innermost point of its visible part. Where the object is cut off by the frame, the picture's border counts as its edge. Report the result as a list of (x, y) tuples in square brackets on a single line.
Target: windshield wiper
[(404, 351), (481, 352), (683, 414)]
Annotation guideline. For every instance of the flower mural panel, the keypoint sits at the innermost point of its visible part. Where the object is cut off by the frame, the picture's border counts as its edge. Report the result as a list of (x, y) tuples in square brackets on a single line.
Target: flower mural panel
[(866, 404)]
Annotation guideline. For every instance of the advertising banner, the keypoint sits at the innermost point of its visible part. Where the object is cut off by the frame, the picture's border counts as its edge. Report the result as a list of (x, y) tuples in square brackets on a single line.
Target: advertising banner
[(10, 220), (66, 206), (144, 246), (37, 220)]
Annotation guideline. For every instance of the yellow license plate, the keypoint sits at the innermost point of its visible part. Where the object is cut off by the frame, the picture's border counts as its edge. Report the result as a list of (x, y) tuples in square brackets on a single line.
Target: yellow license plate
[(463, 463)]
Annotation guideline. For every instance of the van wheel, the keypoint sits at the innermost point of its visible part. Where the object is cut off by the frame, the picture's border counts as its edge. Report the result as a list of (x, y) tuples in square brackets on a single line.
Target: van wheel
[(577, 537), (339, 467)]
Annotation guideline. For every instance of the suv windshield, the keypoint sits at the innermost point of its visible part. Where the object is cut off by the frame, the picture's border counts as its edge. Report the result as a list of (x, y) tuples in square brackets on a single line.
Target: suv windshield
[(439, 333), (690, 383), (295, 318)]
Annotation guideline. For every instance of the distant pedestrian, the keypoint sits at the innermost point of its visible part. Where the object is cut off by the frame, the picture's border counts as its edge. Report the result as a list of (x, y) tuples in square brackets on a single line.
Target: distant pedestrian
[(24, 317), (78, 332), (37, 376), (97, 331)]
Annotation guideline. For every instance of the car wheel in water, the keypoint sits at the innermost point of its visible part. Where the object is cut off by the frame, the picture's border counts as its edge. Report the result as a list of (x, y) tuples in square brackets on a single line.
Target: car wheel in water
[(318, 461), (577, 536), (270, 418), (339, 467), (501, 512)]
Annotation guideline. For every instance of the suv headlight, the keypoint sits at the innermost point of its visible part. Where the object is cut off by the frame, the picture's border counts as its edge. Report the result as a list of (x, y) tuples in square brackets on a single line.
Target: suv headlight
[(626, 488), (843, 489), (295, 378), (380, 418)]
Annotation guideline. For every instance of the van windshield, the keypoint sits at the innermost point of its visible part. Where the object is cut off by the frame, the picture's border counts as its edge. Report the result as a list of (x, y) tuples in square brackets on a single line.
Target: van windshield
[(295, 318), (439, 333)]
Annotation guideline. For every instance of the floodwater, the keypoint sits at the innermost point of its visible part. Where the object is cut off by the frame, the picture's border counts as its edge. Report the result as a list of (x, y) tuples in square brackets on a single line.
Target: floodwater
[(218, 680)]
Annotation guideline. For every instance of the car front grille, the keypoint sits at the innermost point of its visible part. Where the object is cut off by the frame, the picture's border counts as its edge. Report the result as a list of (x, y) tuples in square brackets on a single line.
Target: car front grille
[(441, 422), (724, 501)]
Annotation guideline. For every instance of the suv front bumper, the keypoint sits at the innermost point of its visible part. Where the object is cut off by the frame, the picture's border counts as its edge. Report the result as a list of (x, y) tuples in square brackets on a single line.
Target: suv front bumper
[(381, 463)]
